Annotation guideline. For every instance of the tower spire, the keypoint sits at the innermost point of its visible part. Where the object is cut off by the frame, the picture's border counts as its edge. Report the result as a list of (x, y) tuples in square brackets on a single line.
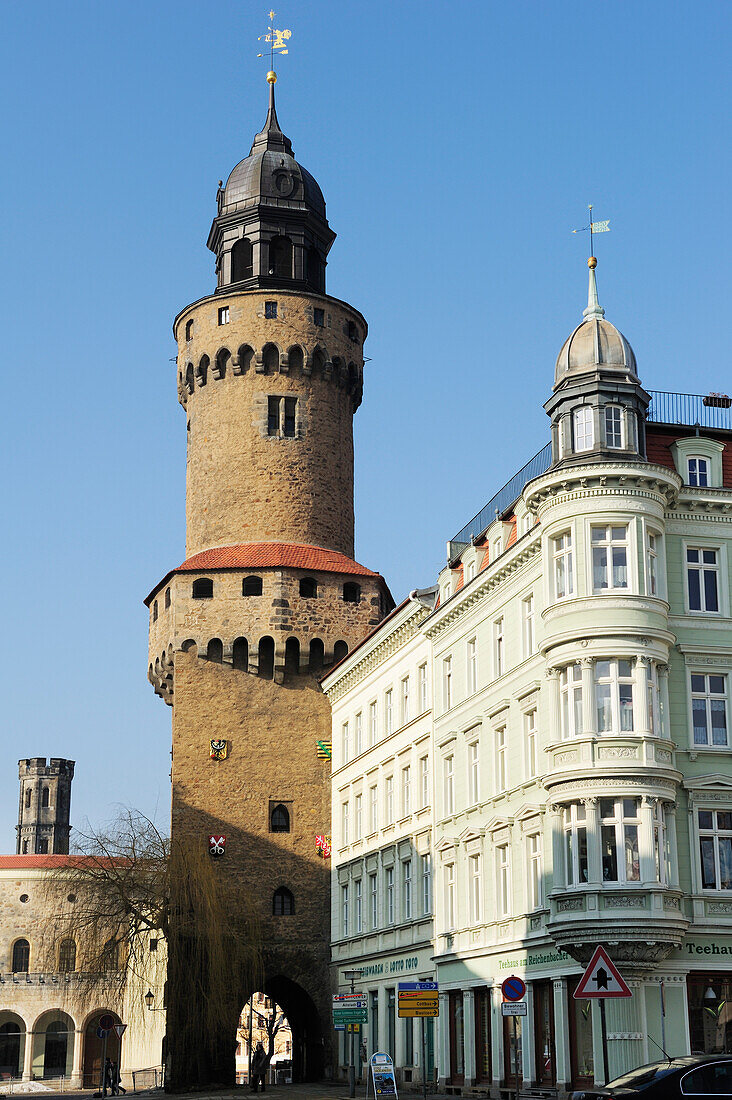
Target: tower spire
[(271, 136), (594, 309)]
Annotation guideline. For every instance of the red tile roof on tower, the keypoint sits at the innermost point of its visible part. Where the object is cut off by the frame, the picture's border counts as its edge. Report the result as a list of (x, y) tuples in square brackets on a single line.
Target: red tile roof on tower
[(269, 555)]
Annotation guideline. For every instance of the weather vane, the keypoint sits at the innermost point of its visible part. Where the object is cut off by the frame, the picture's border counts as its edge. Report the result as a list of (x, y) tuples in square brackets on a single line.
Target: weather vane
[(594, 227), (276, 40)]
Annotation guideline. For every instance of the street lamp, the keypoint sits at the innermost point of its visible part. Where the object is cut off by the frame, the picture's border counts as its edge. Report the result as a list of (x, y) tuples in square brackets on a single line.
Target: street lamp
[(352, 976), (149, 999)]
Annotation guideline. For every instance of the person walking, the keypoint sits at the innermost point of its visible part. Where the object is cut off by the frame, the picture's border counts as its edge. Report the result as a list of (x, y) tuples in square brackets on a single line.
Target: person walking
[(259, 1064), (117, 1079)]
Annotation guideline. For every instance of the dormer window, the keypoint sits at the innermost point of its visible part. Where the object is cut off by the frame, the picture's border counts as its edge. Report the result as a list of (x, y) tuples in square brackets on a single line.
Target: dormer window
[(584, 435), (698, 471), (613, 427)]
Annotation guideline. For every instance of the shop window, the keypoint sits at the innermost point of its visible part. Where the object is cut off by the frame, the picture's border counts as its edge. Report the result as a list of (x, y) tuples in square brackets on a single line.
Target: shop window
[(457, 1036), (21, 956), (202, 588), (710, 1016), (581, 1049), (483, 1068), (546, 1075), (283, 902), (609, 558), (512, 1052)]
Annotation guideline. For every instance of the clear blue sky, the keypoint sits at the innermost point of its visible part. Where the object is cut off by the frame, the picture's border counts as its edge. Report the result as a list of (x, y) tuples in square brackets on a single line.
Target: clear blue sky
[(457, 145)]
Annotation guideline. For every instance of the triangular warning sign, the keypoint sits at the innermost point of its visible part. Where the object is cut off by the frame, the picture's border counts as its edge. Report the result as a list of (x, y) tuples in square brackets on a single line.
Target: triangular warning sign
[(601, 979), (120, 1029)]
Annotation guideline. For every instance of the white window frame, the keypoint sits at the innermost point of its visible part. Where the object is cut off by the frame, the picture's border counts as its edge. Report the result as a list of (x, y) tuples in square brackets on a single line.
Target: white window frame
[(698, 476), (406, 790), (618, 681), (373, 722), (406, 716), (345, 743), (449, 883), (619, 823), (583, 428), (358, 816), (422, 688), (374, 808), (474, 772), (389, 799), (358, 734), (661, 844), (610, 430), (374, 900), (563, 564), (574, 822), (528, 617), (501, 759), (718, 568), (406, 889), (448, 785), (344, 909), (716, 834), (224, 316), (426, 884), (499, 647), (531, 760), (534, 868), (476, 888), (345, 814), (472, 665), (609, 544), (447, 682), (503, 879), (358, 906), (388, 712), (424, 780), (709, 697), (571, 699), (653, 561), (389, 895)]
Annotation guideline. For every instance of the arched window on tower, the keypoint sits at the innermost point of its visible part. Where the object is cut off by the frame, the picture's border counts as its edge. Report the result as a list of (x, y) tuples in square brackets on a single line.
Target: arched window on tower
[(202, 588), (241, 260), (21, 956), (279, 819), (189, 329), (283, 902), (251, 586), (317, 655), (67, 957), (340, 650), (215, 650), (45, 798), (280, 257), (308, 588), (292, 656), (351, 592), (266, 657)]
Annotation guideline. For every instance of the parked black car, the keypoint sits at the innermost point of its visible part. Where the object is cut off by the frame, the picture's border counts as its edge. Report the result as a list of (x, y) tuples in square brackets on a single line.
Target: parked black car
[(701, 1076)]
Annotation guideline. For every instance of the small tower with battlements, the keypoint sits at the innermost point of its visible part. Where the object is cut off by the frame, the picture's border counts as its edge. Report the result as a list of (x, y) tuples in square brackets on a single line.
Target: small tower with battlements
[(45, 804)]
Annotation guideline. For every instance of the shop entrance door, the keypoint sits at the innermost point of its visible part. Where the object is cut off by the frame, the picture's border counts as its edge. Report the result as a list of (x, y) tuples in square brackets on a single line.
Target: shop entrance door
[(580, 1039), (710, 1012), (544, 1054), (457, 1037), (483, 1071), (510, 1051)]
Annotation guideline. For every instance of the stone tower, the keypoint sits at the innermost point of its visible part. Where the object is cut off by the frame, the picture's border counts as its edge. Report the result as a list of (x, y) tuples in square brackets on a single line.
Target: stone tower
[(45, 804), (270, 373)]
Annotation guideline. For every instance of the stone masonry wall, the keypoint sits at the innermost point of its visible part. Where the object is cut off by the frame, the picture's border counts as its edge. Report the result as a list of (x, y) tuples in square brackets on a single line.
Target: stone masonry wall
[(242, 484)]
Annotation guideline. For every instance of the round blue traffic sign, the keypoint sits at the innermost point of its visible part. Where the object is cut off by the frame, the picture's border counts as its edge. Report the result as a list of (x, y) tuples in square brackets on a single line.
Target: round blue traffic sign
[(513, 988)]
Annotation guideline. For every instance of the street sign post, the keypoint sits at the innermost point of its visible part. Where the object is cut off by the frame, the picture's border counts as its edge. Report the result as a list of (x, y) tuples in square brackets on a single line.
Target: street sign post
[(602, 979), (513, 989), (421, 1000)]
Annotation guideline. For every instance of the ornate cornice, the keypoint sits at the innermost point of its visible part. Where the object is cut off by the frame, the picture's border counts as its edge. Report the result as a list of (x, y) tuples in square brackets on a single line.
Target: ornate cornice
[(651, 482), (380, 649)]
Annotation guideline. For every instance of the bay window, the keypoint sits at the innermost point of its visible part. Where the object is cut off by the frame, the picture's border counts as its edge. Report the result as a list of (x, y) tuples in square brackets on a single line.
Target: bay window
[(709, 710), (609, 558), (619, 825), (570, 694), (614, 696), (576, 868), (562, 558), (613, 427), (533, 845), (715, 849), (652, 547)]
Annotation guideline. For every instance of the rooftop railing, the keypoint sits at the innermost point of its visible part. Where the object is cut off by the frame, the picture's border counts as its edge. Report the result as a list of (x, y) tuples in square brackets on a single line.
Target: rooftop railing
[(711, 411)]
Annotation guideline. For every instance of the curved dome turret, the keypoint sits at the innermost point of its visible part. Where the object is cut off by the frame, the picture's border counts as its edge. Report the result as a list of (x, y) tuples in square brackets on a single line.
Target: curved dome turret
[(271, 229), (596, 344)]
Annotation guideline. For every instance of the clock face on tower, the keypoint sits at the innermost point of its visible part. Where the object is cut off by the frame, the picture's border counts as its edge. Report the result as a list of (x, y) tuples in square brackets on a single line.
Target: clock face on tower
[(286, 182)]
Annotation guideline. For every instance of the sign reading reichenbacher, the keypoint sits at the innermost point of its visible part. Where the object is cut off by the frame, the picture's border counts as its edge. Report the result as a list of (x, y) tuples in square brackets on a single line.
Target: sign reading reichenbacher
[(536, 958)]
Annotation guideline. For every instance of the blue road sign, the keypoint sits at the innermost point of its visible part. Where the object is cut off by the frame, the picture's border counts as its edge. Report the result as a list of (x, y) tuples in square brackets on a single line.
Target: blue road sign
[(513, 988), (415, 986)]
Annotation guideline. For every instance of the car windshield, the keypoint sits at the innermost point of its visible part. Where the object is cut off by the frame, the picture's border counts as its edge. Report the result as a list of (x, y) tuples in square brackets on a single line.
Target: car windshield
[(644, 1075)]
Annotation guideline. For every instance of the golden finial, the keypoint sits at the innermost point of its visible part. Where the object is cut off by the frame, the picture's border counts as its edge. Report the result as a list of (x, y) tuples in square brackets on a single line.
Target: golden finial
[(271, 77), (592, 263)]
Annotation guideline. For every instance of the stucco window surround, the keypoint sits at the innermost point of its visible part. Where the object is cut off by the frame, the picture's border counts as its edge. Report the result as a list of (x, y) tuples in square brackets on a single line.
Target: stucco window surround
[(609, 695), (699, 446), (719, 565)]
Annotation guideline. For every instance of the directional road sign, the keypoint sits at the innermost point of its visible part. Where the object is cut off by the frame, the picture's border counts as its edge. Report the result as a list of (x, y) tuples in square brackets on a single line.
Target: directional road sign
[(513, 988), (416, 999), (601, 979)]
